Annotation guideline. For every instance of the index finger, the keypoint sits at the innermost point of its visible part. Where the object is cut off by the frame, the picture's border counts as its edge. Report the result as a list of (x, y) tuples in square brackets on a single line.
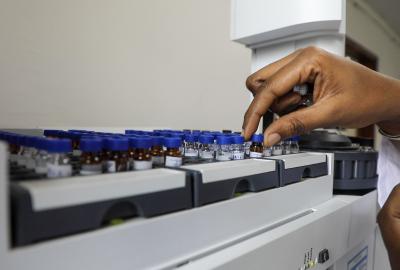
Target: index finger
[(298, 71), (255, 80)]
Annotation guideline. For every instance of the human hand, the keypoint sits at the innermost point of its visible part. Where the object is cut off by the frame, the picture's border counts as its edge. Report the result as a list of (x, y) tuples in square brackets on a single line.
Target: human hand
[(389, 223), (346, 94)]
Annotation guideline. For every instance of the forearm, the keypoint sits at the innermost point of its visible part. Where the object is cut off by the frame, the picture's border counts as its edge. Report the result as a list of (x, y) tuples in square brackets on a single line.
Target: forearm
[(389, 223)]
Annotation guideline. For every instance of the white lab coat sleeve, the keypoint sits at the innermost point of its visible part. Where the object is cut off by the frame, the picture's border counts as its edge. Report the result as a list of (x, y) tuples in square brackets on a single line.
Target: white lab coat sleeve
[(388, 168)]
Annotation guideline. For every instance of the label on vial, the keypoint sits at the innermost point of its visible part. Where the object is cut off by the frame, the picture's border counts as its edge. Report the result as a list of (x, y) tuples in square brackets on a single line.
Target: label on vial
[(76, 153), (55, 171), (91, 169), (173, 161), (277, 152), (30, 163), (158, 160), (111, 166), (267, 152), (139, 165), (206, 155), (224, 156), (237, 155), (41, 169), (255, 154), (13, 157), (191, 153)]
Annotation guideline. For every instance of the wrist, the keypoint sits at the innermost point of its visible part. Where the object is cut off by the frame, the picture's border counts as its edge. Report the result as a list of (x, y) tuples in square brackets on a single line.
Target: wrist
[(390, 127), (390, 122)]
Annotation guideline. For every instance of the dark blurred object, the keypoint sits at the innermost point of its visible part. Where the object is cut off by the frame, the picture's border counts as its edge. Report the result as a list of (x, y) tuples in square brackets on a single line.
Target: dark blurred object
[(355, 160)]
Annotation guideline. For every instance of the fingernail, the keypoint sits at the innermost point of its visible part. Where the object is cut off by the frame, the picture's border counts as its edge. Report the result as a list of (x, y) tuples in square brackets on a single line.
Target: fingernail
[(273, 138), (242, 133)]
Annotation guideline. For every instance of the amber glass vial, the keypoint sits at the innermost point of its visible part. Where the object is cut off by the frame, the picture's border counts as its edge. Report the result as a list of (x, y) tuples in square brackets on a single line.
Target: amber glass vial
[(173, 156), (117, 154)]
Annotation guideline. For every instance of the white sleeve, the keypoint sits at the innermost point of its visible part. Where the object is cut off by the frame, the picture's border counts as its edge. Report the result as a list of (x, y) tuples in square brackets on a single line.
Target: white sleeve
[(388, 168)]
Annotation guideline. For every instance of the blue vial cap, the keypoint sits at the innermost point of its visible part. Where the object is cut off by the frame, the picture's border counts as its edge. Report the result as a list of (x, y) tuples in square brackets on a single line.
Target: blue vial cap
[(142, 142), (172, 142), (51, 132), (190, 138), (295, 138), (259, 138), (41, 143), (91, 144), (116, 144), (58, 145), (157, 140), (238, 139), (221, 140), (28, 141), (206, 139)]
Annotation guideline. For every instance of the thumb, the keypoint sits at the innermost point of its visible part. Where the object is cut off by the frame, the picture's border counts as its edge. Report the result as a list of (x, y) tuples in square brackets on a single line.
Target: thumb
[(295, 123)]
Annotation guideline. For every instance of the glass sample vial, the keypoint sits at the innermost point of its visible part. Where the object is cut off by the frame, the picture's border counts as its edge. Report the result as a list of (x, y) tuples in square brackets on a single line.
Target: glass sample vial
[(157, 151), (142, 156), (42, 157), (224, 144), (247, 148), (294, 145), (117, 154), (58, 162), (13, 147), (267, 152), (206, 147), (238, 147), (190, 150), (173, 156), (30, 162), (131, 152), (256, 147), (286, 147), (277, 149), (91, 158)]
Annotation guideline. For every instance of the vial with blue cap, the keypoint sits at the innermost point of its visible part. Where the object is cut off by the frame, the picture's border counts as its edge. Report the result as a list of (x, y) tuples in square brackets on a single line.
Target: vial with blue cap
[(224, 144), (173, 154), (142, 156), (190, 150), (256, 147), (267, 151), (238, 147), (30, 152), (294, 144), (206, 147), (286, 146), (91, 160), (58, 162), (277, 149), (42, 157), (157, 151), (116, 154)]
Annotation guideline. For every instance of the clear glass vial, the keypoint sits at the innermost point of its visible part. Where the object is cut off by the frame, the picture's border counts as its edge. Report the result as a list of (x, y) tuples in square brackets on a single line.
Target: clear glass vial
[(91, 160), (294, 145), (173, 155), (286, 147), (224, 144), (42, 157), (206, 147), (191, 151), (256, 147), (238, 147), (58, 162), (277, 149)]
